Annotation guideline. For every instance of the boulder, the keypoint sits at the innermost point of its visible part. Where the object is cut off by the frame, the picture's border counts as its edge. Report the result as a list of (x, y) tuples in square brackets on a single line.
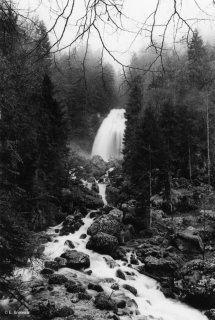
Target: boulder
[(103, 243), (111, 262), (61, 262), (51, 265), (130, 288), (69, 243), (46, 271), (45, 310), (95, 287), (57, 279), (105, 302), (74, 287), (188, 242), (116, 214), (106, 224), (64, 311), (120, 274), (196, 283), (160, 267), (76, 260)]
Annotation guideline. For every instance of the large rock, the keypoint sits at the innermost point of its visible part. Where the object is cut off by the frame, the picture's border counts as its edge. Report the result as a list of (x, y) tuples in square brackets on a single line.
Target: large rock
[(57, 279), (105, 302), (160, 267), (196, 283), (76, 260), (116, 214), (188, 242), (106, 224), (103, 243)]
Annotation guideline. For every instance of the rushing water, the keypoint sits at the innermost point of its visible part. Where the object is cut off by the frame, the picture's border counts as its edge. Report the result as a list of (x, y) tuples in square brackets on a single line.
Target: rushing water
[(109, 139), (150, 300)]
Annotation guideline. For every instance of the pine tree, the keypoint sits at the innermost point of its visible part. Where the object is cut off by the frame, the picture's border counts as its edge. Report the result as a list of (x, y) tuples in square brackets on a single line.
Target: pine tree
[(133, 109)]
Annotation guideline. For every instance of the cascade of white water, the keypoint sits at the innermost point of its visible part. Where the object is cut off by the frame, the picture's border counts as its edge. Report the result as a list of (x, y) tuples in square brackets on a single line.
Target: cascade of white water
[(150, 300), (109, 139)]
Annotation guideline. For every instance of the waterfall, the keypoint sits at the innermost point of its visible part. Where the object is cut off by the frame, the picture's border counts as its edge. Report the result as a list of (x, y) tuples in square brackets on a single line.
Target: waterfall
[(109, 139)]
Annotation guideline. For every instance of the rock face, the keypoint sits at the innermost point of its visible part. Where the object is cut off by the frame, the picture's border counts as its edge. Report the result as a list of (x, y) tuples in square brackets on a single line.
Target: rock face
[(103, 243), (98, 167), (112, 195), (106, 224), (188, 242), (104, 302), (76, 260)]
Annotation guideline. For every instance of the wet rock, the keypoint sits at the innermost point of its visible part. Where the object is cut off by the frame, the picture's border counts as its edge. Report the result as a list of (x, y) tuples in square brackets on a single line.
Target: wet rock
[(76, 260), (104, 224), (61, 262), (115, 286), (57, 279), (45, 310), (95, 287), (83, 236), (51, 265), (84, 296), (73, 287), (120, 274), (46, 271), (134, 260), (111, 262), (75, 299), (69, 243), (210, 314), (160, 267), (130, 288), (64, 312), (120, 254), (103, 243), (105, 302), (121, 304)]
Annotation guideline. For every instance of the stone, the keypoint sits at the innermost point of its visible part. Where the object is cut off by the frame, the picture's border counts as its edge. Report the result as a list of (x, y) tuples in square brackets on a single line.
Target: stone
[(64, 312), (105, 302), (121, 304), (73, 287), (69, 243), (61, 262), (95, 287), (46, 271), (115, 286), (160, 267), (120, 274), (104, 224), (76, 260), (111, 262), (83, 236), (130, 288), (188, 242), (84, 296), (116, 214), (51, 265), (57, 279), (103, 243)]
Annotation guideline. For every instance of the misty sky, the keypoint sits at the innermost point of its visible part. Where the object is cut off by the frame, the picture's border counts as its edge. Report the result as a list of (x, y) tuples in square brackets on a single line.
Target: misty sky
[(137, 11)]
